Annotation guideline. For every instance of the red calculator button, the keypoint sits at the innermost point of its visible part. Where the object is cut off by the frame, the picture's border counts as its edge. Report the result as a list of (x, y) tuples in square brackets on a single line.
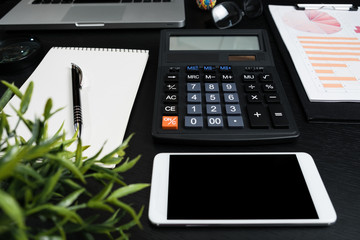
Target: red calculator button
[(170, 123)]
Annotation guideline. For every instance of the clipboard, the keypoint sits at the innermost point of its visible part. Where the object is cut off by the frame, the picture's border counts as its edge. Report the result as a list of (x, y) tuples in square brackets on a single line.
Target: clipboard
[(343, 112)]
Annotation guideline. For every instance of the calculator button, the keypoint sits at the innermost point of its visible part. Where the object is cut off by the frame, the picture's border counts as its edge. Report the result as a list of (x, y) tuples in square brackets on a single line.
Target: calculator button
[(266, 77), (225, 68), (272, 98), (235, 122), (192, 68), (269, 87), (194, 97), (254, 98), (248, 77), (215, 122), (278, 116), (211, 87), (169, 123), (227, 77), (209, 68), (192, 77), (229, 87), (170, 98), (172, 77), (193, 87), (193, 122), (210, 77), (231, 97), (194, 109), (213, 109), (170, 110), (258, 116), (212, 97), (251, 87), (232, 109), (171, 87)]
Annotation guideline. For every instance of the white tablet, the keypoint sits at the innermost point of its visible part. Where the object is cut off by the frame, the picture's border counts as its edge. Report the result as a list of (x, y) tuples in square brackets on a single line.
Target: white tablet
[(229, 189)]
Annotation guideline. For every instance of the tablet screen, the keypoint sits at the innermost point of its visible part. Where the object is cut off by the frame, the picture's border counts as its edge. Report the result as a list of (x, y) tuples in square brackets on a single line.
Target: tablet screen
[(238, 187)]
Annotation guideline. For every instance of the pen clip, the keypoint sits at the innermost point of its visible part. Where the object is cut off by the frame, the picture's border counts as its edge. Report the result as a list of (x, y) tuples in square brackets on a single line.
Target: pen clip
[(79, 73), (343, 7)]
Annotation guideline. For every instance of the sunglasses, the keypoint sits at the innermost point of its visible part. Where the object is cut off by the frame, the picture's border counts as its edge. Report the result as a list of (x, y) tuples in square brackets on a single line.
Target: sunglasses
[(228, 14)]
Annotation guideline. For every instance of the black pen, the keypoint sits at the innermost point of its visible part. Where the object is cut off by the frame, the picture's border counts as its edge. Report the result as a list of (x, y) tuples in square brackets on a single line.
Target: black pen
[(76, 74)]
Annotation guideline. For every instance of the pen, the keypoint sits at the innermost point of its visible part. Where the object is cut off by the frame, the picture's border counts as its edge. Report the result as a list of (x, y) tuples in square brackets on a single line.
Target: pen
[(76, 74)]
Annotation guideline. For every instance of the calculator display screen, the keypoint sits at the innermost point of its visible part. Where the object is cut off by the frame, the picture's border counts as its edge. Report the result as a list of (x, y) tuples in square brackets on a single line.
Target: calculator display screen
[(195, 43), (238, 187)]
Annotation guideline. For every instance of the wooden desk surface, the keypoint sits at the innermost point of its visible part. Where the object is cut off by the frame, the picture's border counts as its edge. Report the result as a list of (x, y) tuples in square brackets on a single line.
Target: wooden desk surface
[(334, 147)]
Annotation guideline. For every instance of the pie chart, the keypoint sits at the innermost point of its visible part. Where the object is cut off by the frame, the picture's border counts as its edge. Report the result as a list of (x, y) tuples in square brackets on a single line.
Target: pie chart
[(312, 21)]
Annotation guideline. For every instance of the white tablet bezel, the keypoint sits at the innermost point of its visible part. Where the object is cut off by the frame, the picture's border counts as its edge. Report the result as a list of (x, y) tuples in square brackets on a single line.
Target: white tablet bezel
[(159, 195)]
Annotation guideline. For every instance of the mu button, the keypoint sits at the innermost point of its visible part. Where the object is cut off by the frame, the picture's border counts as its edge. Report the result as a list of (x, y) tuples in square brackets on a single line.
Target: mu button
[(170, 122)]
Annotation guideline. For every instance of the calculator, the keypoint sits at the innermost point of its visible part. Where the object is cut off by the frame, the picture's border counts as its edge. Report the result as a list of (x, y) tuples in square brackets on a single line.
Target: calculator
[(219, 86)]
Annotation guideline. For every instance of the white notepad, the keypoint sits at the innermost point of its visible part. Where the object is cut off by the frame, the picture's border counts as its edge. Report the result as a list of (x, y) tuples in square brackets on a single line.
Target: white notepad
[(111, 78)]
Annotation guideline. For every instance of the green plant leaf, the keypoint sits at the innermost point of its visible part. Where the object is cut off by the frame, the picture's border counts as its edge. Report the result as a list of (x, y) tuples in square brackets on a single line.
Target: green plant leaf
[(128, 209), (78, 154), (8, 162), (100, 205), (132, 223), (128, 164), (65, 212), (104, 192), (68, 165), (25, 101), (5, 98), (47, 109), (13, 88), (68, 200), (12, 209), (127, 190), (49, 186)]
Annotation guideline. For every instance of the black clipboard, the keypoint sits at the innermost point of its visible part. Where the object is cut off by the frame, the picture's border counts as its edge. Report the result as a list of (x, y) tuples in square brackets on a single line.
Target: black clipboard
[(340, 112)]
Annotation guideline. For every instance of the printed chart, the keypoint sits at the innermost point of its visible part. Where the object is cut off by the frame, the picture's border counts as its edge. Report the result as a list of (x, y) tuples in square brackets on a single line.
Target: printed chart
[(312, 21), (325, 48)]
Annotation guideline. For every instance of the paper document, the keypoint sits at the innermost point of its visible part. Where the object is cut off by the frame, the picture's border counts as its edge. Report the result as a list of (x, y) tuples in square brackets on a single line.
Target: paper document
[(111, 78), (325, 48)]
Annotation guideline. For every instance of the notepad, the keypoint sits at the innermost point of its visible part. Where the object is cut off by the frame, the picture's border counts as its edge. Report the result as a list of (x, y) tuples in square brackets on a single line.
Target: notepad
[(111, 78), (325, 48)]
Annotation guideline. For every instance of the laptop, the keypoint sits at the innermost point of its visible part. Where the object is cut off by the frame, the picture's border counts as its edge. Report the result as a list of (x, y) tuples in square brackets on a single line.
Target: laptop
[(94, 14)]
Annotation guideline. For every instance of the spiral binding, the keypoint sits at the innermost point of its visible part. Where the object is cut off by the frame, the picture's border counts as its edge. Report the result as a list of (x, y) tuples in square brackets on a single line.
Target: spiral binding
[(103, 49)]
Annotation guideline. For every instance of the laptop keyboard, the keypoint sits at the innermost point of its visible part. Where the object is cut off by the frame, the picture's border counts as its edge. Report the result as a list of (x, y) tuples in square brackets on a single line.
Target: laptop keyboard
[(93, 1)]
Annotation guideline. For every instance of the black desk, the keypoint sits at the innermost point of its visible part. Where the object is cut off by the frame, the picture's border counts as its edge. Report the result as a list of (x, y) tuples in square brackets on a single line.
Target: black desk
[(335, 147)]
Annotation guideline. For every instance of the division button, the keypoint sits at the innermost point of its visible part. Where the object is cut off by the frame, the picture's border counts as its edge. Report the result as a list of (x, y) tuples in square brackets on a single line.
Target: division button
[(170, 122)]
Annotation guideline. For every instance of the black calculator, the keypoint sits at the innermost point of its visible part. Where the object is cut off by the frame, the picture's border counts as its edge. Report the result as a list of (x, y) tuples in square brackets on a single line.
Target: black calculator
[(219, 86)]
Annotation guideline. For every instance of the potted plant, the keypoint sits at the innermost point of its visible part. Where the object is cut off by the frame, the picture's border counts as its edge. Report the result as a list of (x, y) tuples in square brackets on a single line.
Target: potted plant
[(50, 192)]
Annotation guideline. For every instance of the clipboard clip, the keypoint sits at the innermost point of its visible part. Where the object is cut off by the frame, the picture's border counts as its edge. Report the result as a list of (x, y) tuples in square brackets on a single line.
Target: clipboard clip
[(338, 7)]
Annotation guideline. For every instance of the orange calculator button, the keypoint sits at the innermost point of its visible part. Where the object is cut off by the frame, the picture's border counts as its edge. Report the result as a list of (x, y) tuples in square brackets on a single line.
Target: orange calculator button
[(170, 123)]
